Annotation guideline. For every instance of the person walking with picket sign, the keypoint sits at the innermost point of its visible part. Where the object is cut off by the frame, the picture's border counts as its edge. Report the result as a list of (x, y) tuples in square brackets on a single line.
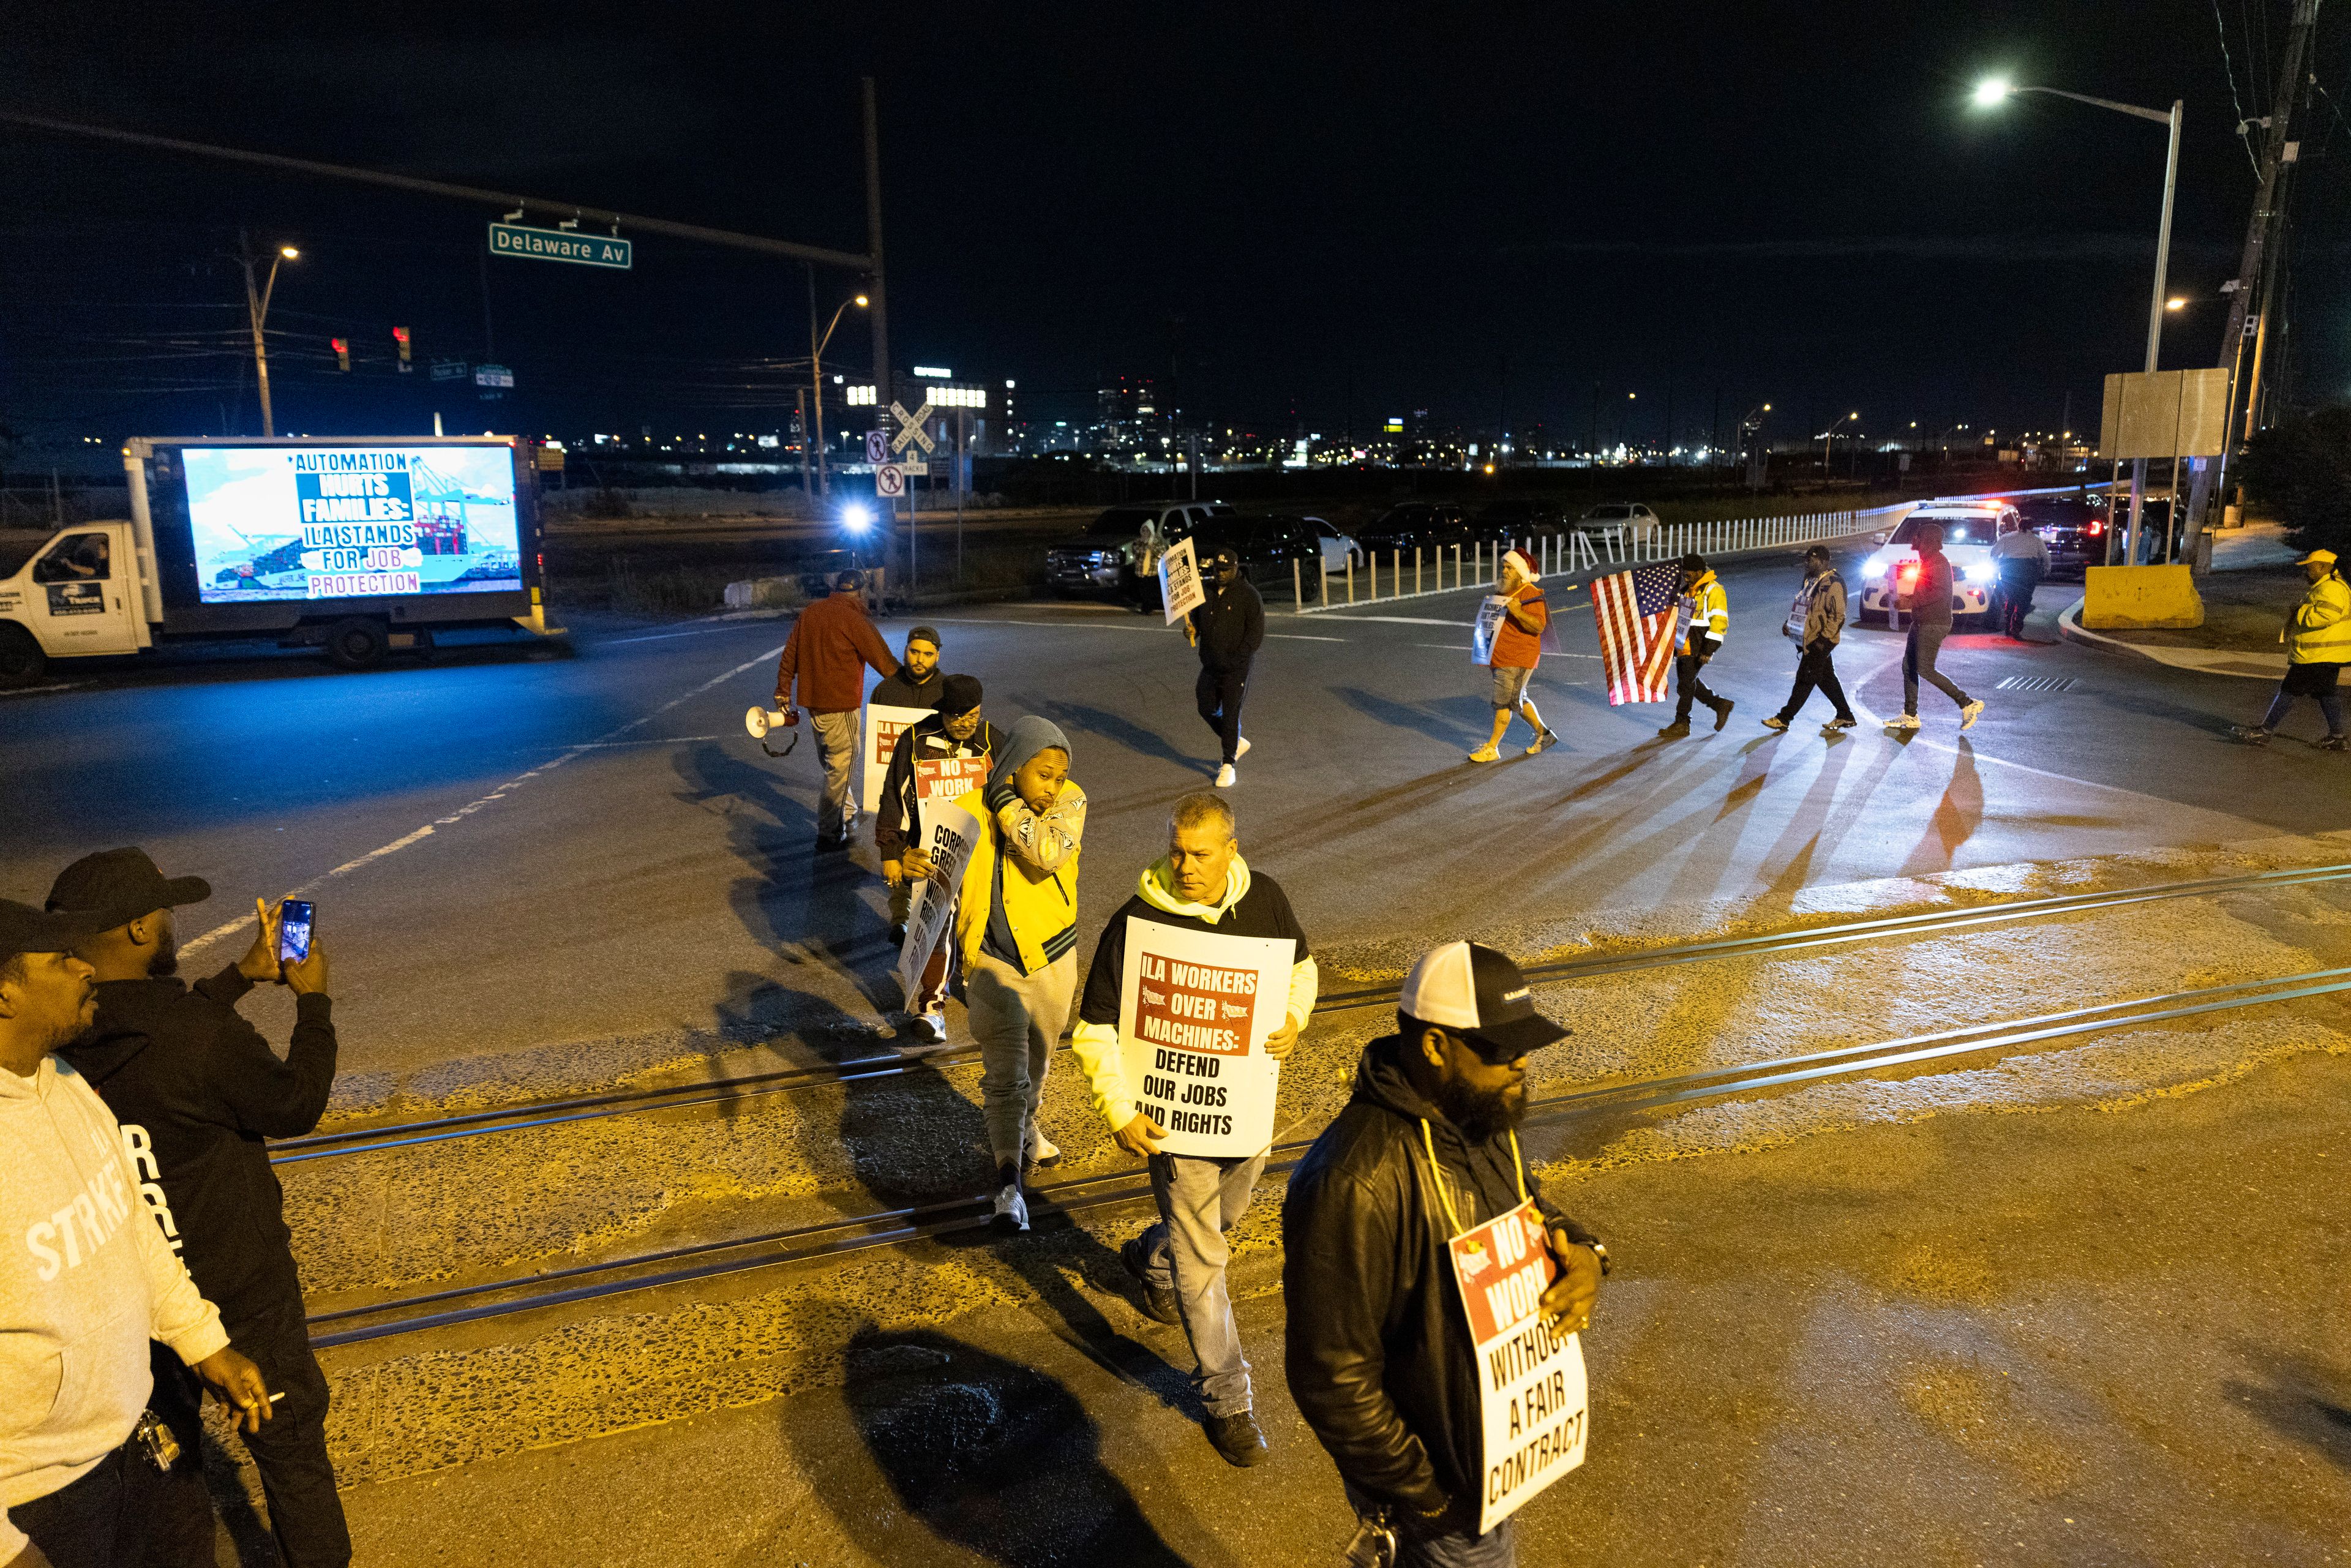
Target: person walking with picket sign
[(1705, 622), (2319, 634), (1017, 933), (1517, 649), (1815, 622), (930, 763), (1923, 592), (1228, 628), (826, 656)]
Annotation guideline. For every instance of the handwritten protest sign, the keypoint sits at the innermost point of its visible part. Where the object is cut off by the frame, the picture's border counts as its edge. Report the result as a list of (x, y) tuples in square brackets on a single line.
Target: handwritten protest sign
[(948, 833), (1194, 1011), (1179, 582), (1531, 1392), (884, 725), (1488, 624)]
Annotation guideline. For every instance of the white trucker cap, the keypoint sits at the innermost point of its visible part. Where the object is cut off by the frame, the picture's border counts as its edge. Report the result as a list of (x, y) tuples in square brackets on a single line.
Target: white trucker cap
[(1478, 992)]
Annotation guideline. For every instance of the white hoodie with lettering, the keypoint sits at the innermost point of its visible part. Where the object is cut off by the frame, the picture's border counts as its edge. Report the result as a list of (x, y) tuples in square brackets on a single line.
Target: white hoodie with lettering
[(86, 1281)]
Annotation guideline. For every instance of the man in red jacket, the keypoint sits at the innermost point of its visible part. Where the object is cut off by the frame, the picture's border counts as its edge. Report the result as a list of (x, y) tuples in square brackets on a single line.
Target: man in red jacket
[(828, 650)]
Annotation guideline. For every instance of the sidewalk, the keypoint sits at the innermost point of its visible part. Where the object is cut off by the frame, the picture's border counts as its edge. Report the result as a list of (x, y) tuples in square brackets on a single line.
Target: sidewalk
[(2254, 583)]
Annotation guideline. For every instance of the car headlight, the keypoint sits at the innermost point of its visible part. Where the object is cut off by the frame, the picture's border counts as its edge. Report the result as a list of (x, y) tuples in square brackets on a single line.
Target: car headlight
[(1875, 567), (1983, 571)]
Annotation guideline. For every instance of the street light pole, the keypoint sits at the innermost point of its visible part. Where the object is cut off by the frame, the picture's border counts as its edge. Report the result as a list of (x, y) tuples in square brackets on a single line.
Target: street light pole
[(257, 312), (816, 375)]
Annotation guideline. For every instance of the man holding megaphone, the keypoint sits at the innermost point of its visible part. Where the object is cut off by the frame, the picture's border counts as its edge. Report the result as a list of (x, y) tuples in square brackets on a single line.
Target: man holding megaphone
[(829, 646)]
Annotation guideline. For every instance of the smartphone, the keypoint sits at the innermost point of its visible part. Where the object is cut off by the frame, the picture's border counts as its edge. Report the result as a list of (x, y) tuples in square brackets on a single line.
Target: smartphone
[(293, 931)]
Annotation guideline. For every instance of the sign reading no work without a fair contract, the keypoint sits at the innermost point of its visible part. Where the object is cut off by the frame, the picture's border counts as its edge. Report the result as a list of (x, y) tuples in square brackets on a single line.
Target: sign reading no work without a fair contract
[(1193, 1010), (948, 833), (1179, 582), (1530, 1381), (884, 725), (1487, 625), (561, 244)]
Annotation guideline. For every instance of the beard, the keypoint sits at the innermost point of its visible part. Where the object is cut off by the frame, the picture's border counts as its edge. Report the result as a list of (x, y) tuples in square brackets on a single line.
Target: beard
[(1479, 1114), (165, 961)]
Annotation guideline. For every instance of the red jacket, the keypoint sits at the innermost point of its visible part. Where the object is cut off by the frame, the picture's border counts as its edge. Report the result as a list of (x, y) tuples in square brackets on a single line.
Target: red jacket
[(829, 646)]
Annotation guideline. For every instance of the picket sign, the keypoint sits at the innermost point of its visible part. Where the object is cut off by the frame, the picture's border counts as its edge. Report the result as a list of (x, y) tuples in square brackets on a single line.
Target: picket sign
[(1194, 1011), (884, 725), (949, 831), (1533, 1396)]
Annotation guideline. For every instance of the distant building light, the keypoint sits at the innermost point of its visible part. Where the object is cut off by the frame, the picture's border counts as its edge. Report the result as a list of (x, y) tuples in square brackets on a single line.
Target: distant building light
[(934, 372), (1008, 386), (860, 396)]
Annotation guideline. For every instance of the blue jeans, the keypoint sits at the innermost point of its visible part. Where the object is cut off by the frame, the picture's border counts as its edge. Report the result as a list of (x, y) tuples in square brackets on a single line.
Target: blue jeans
[(1498, 1548), (1199, 1201)]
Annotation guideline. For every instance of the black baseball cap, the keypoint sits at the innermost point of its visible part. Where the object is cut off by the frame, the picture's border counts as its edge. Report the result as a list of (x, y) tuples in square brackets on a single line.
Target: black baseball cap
[(926, 635), (25, 929), (1478, 993), (960, 694), (120, 885)]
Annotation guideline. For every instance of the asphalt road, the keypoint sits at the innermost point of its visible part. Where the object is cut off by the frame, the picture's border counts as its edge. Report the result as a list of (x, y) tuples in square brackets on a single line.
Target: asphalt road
[(536, 869)]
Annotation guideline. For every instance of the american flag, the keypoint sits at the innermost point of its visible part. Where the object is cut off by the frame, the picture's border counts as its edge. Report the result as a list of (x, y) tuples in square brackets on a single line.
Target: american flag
[(1639, 613)]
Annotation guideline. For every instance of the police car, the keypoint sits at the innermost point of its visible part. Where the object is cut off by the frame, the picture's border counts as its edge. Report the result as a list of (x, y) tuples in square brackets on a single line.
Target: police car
[(1969, 528)]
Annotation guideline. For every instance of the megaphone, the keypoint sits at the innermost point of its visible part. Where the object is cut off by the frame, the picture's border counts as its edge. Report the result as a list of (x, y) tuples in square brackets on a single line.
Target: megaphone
[(759, 721)]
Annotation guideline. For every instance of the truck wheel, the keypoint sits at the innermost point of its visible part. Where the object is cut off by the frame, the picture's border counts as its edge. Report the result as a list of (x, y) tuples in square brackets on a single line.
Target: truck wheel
[(356, 643), (21, 659)]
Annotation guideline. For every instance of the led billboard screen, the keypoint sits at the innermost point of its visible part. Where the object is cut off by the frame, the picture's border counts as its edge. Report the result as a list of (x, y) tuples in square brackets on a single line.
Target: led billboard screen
[(347, 521)]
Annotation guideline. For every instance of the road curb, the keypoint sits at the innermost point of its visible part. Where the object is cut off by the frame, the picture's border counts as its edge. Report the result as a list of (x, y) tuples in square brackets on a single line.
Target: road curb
[(2196, 661)]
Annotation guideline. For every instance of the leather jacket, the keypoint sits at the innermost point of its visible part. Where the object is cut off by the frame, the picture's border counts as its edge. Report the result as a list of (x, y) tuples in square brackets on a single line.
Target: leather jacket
[(1378, 1350)]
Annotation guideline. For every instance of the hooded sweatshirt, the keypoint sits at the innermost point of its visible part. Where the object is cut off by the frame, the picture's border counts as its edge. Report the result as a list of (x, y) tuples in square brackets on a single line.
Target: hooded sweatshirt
[(1026, 916), (1252, 906), (86, 1280)]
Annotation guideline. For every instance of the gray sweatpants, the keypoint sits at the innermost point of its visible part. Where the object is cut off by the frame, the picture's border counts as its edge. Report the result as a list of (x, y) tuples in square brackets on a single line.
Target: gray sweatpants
[(1199, 1201), (836, 736), (1016, 1021)]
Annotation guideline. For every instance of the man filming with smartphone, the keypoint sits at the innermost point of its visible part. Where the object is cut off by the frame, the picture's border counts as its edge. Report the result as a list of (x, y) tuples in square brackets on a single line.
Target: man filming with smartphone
[(197, 1090)]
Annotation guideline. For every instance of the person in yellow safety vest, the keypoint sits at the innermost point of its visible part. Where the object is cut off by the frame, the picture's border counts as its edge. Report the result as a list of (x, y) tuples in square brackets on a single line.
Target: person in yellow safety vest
[(2318, 639), (1705, 622)]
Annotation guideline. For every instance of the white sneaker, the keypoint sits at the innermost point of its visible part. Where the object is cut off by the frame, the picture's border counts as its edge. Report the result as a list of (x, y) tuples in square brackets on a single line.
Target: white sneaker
[(1242, 749), (931, 1028), (1224, 776), (1969, 714), (1903, 721), (1012, 1207), (1042, 1149)]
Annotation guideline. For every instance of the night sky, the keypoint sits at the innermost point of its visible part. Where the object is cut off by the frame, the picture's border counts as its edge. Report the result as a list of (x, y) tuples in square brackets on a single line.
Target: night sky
[(1329, 213)]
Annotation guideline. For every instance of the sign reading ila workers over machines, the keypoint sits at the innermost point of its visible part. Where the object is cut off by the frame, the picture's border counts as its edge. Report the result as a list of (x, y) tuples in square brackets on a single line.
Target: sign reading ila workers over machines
[(561, 244), (1194, 1011), (1530, 1381)]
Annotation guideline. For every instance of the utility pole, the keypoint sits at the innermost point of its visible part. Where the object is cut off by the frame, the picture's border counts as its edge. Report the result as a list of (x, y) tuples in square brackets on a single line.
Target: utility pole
[(2267, 214), (883, 392), (257, 312)]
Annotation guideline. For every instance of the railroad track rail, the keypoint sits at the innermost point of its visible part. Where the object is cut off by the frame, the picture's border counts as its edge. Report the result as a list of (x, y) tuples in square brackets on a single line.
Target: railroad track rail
[(833, 1239), (784, 1081)]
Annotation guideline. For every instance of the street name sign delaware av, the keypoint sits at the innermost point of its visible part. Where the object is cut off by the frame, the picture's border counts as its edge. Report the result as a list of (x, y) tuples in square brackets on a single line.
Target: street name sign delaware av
[(561, 244)]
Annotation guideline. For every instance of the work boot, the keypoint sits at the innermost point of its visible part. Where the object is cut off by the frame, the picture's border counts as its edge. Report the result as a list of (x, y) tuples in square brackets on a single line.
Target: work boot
[(2252, 735), (1774, 722), (1238, 1440), (1159, 1302), (1722, 708), (1675, 730)]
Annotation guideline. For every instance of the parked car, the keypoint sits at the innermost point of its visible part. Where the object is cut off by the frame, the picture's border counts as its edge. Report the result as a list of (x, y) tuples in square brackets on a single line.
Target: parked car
[(2074, 529), (1968, 530), (1519, 517), (1102, 561), (1636, 521), (1286, 535), (1416, 525)]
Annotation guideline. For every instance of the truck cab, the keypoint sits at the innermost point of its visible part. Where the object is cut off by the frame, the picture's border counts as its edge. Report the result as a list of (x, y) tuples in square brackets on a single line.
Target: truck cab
[(78, 594)]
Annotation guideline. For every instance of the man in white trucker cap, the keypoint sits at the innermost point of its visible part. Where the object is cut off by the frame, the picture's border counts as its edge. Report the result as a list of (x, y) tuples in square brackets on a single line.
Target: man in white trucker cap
[(1378, 1347)]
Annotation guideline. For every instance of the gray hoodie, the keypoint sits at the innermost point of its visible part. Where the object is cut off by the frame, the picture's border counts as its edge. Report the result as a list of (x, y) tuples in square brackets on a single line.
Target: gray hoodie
[(86, 1281)]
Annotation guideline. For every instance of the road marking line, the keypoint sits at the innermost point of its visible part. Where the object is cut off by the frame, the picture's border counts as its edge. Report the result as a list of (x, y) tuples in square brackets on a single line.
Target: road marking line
[(1295, 637), (663, 636), (608, 738)]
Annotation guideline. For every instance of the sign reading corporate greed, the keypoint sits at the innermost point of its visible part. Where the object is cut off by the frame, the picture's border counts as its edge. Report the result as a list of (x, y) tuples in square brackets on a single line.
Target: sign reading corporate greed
[(1194, 1011)]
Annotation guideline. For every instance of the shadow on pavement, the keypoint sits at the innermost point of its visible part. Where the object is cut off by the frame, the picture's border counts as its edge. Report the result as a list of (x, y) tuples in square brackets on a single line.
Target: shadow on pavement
[(2302, 1399), (1081, 719), (1428, 719), (981, 1454)]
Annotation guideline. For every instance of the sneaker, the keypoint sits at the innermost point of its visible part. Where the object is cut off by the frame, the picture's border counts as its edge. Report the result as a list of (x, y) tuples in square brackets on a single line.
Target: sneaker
[(1543, 742), (1224, 776), (2252, 735), (1238, 1440), (1722, 712), (1042, 1149), (1675, 730), (1774, 722), (1904, 721), (1969, 714), (1159, 1302), (2336, 743), (1485, 754), (1011, 1208), (928, 1027), (1242, 749), (1839, 724), (898, 933)]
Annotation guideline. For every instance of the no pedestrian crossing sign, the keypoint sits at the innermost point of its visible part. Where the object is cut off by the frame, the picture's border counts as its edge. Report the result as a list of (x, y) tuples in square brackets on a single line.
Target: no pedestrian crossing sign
[(877, 446), (888, 481), (561, 244)]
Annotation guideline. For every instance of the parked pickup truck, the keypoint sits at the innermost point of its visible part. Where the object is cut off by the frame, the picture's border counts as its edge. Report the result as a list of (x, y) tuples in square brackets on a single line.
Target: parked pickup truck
[(356, 546)]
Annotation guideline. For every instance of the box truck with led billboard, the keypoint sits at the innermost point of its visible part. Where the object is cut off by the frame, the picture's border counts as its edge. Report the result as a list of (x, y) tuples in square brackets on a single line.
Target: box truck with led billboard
[(355, 545)]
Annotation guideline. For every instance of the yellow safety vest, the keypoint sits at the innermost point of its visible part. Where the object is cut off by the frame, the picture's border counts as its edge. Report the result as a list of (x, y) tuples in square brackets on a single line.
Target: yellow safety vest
[(1709, 612), (2321, 633)]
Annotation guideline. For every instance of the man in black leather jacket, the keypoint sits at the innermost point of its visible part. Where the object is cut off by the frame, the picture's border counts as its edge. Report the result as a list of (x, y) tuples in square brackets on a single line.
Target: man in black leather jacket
[(1378, 1351)]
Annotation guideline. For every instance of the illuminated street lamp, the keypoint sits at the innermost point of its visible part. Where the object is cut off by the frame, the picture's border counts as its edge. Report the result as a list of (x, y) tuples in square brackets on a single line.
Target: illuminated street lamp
[(257, 312), (1995, 90), (816, 379), (1828, 434)]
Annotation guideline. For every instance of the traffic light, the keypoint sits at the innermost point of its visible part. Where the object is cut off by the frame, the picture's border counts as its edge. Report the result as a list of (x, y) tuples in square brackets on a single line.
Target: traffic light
[(342, 352), (399, 335)]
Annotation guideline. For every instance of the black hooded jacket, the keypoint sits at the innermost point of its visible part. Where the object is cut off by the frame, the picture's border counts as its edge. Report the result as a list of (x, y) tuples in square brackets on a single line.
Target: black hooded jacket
[(197, 1089), (1230, 624), (1378, 1349)]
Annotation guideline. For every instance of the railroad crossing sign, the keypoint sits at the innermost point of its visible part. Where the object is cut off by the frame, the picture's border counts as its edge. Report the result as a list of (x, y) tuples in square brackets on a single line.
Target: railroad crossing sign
[(877, 446), (913, 434), (888, 481)]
